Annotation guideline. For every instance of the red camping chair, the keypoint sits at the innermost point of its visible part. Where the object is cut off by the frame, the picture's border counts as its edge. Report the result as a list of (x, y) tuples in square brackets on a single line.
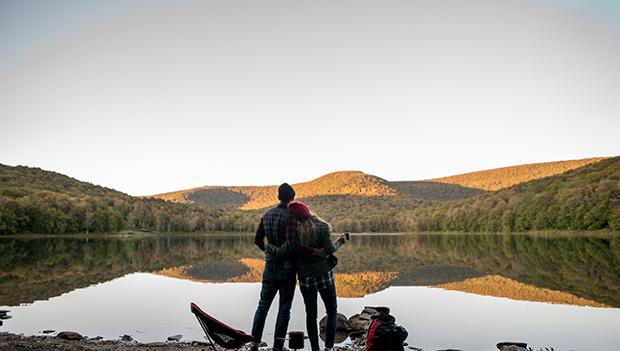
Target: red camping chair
[(223, 335)]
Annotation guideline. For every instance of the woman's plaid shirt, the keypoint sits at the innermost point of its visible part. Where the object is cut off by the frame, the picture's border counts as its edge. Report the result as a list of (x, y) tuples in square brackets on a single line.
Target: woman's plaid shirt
[(317, 283)]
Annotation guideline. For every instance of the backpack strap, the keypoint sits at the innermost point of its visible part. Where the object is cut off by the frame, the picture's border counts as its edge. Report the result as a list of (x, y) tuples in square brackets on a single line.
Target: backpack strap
[(371, 335)]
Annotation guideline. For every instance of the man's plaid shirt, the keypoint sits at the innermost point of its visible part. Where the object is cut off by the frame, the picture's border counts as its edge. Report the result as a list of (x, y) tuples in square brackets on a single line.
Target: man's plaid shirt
[(317, 283)]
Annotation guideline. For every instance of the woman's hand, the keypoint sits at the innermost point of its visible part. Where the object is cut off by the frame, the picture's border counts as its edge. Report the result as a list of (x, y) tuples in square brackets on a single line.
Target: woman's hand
[(343, 238), (319, 252)]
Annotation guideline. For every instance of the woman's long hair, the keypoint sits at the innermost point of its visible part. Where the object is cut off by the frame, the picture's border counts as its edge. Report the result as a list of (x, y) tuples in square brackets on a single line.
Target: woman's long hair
[(307, 231)]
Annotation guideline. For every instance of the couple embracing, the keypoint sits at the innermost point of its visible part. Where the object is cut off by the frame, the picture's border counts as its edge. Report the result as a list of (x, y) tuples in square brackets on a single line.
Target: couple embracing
[(296, 242)]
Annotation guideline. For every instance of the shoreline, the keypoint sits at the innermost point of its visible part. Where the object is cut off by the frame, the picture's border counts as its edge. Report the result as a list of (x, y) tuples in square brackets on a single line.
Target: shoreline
[(139, 234)]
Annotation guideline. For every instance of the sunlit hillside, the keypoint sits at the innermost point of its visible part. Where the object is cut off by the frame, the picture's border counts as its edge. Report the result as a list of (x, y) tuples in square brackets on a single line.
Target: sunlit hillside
[(500, 178), (254, 197)]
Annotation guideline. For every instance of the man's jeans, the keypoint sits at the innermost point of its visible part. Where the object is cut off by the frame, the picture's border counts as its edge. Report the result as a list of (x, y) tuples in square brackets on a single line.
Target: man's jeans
[(286, 289), (331, 308)]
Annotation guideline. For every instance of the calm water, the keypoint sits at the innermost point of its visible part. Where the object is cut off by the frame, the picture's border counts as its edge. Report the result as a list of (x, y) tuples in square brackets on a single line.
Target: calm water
[(459, 291)]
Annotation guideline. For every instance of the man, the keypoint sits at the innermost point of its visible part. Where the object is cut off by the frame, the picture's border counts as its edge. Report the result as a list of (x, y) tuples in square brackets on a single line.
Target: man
[(279, 273)]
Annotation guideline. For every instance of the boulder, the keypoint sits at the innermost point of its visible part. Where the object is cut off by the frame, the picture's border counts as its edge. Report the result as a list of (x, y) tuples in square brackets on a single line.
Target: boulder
[(126, 338), (503, 344), (48, 331), (5, 316), (69, 335), (176, 337), (342, 323), (96, 338)]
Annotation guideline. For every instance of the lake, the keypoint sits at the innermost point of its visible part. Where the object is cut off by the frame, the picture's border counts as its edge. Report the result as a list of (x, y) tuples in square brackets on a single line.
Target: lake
[(449, 291)]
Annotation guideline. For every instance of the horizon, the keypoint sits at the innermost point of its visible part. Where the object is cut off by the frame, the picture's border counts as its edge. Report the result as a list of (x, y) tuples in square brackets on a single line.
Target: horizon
[(151, 97)]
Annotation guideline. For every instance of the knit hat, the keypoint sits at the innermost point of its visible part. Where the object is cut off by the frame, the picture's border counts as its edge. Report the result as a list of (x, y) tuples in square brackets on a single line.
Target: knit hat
[(300, 210), (286, 193)]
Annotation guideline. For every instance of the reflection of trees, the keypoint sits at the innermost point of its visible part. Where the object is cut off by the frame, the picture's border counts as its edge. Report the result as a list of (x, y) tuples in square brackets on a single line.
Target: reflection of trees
[(587, 267), (34, 269)]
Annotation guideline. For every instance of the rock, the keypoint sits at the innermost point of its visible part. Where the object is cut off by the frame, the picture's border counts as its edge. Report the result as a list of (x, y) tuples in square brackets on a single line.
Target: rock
[(48, 331), (201, 343), (341, 325), (126, 338), (415, 348), (512, 348), (96, 338), (5, 316), (176, 337), (1, 322), (503, 344), (69, 335), (450, 350)]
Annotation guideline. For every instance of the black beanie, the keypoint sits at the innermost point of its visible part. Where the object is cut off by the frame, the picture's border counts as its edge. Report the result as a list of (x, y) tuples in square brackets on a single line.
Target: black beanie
[(286, 193)]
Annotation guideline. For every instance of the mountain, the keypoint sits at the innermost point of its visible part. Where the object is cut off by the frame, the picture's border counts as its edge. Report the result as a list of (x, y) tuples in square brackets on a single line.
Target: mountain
[(501, 178)]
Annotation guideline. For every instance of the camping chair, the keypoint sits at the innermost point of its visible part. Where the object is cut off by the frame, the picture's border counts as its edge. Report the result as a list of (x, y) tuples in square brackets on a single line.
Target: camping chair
[(219, 333)]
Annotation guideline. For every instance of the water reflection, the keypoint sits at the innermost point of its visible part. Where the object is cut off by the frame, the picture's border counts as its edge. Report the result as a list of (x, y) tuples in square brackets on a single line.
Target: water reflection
[(559, 269)]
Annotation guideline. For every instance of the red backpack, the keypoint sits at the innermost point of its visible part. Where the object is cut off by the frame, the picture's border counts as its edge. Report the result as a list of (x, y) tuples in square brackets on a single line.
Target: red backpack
[(384, 334)]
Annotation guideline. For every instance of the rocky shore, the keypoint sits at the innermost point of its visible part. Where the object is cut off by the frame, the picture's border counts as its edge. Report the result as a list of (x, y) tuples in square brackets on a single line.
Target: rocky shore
[(353, 328)]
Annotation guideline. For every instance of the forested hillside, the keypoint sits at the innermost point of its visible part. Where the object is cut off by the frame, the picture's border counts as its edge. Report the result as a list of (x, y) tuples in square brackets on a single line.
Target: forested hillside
[(37, 201), (587, 198)]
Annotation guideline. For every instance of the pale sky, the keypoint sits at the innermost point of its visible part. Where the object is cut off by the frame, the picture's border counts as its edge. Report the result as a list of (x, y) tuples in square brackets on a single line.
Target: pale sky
[(153, 96)]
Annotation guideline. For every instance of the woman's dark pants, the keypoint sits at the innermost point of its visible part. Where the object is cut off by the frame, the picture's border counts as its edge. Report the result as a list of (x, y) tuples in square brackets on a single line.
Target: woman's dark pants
[(328, 296)]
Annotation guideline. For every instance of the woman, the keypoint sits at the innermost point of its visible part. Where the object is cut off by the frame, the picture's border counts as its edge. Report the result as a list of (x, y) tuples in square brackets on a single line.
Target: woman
[(312, 246)]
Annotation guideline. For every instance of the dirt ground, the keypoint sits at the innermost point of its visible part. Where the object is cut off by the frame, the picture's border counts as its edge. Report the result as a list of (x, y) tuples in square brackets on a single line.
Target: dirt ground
[(9, 342)]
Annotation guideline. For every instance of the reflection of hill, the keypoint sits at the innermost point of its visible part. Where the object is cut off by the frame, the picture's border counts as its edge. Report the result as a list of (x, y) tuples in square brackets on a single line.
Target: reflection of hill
[(347, 284), (495, 285), (430, 275)]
